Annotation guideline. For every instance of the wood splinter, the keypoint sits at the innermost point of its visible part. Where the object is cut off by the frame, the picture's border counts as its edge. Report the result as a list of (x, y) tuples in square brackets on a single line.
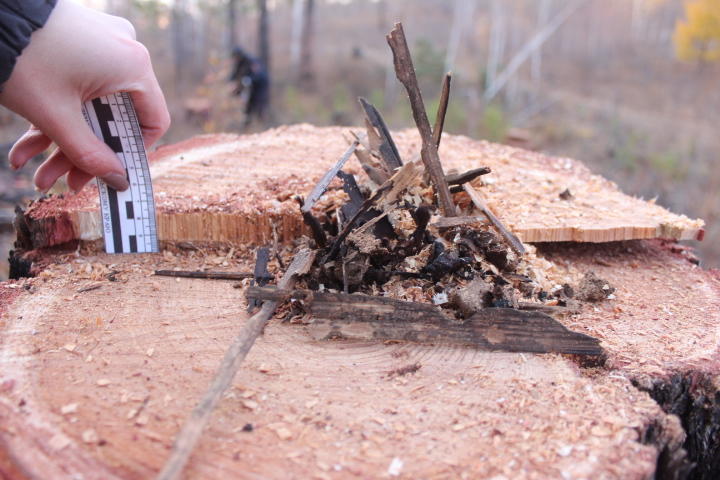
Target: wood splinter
[(387, 149), (322, 185), (466, 177), (405, 72), (192, 429), (442, 110), (480, 204), (210, 275)]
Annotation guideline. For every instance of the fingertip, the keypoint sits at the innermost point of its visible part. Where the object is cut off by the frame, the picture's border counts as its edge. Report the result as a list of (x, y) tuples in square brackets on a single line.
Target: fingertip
[(50, 170), (152, 111), (32, 143), (117, 181), (78, 179)]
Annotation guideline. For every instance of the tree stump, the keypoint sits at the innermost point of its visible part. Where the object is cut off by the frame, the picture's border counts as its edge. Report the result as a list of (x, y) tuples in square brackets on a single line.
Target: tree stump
[(102, 362)]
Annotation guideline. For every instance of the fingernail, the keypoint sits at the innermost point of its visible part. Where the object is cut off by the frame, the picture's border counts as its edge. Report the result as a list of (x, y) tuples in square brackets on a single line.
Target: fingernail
[(116, 181)]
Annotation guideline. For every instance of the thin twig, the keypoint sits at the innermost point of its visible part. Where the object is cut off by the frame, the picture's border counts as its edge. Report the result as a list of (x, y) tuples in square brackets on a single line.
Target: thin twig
[(194, 425), (442, 110), (465, 177), (480, 204), (406, 74), (204, 275), (276, 246)]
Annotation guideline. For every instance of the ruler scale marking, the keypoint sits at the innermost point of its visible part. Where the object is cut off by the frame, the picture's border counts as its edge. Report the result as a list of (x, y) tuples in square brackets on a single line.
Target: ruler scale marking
[(128, 218)]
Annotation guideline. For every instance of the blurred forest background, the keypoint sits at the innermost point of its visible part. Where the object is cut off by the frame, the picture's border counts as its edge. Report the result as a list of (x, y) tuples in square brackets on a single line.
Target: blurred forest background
[(630, 87)]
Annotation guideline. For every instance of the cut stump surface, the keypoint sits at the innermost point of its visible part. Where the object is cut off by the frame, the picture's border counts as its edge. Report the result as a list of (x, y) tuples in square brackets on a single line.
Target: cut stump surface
[(96, 384)]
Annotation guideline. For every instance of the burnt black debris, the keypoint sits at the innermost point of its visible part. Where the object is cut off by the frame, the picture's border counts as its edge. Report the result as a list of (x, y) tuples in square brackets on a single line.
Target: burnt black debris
[(400, 235)]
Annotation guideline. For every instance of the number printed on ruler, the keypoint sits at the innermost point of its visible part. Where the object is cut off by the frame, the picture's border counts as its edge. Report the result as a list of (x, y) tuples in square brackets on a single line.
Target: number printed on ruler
[(128, 218)]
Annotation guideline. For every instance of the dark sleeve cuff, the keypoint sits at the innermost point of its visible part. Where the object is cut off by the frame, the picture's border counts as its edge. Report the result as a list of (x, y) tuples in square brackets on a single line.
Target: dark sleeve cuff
[(18, 20)]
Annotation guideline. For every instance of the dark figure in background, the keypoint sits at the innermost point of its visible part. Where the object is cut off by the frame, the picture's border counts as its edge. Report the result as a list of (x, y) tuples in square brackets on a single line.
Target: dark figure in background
[(251, 76)]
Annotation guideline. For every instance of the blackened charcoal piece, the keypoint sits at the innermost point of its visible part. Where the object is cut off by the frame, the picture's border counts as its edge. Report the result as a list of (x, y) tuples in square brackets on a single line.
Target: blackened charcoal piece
[(448, 262), (493, 251)]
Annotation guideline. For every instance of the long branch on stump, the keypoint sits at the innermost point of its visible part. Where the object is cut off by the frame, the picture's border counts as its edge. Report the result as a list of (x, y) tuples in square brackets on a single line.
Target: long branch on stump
[(234, 356)]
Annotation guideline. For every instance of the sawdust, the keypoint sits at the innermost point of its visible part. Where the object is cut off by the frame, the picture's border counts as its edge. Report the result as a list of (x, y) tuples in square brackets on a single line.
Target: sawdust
[(521, 416)]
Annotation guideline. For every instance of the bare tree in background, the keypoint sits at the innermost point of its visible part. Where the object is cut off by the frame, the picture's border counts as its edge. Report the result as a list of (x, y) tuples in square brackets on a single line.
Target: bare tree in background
[(264, 34), (298, 12), (498, 82), (307, 45), (498, 39), (543, 14), (382, 15), (232, 23), (180, 36), (462, 17)]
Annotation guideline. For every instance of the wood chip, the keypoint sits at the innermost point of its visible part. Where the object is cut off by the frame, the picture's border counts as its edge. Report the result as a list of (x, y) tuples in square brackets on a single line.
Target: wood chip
[(69, 408), (281, 431), (90, 436), (59, 442)]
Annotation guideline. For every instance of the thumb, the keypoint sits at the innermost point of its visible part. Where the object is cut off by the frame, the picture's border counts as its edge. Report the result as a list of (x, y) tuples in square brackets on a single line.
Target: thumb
[(82, 148)]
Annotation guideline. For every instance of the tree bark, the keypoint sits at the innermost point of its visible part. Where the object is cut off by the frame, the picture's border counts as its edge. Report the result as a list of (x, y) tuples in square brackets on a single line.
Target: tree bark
[(264, 34), (232, 22), (179, 32), (298, 14), (307, 44)]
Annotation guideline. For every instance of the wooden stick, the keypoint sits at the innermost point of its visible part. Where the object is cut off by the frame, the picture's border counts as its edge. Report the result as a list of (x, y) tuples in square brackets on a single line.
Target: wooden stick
[(480, 204), (442, 110), (205, 275), (406, 74), (465, 177), (234, 356), (322, 185)]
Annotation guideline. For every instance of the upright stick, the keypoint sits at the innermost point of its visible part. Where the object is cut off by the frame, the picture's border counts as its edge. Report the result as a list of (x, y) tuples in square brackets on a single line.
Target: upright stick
[(405, 72), (442, 110)]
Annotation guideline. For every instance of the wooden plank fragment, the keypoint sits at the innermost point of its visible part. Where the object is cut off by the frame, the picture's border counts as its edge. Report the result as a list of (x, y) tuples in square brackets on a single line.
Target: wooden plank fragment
[(384, 318), (405, 72)]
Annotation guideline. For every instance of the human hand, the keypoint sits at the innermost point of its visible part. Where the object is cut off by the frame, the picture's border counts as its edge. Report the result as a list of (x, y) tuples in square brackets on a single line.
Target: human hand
[(80, 54)]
